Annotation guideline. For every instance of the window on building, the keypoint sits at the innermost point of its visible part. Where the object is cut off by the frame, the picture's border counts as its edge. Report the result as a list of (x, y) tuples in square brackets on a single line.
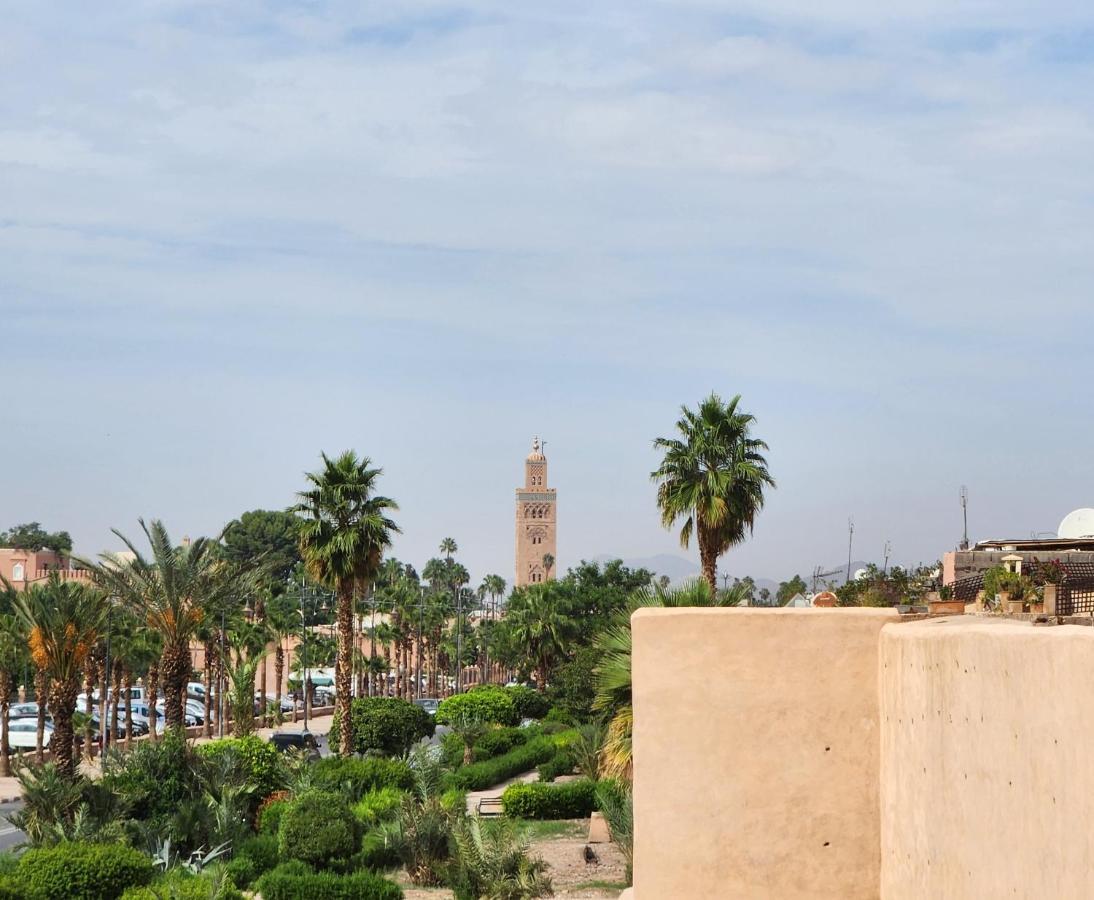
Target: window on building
[(17, 572)]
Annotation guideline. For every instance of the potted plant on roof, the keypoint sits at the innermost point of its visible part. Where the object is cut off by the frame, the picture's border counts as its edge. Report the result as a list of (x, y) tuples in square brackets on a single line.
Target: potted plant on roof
[(996, 590), (1048, 575)]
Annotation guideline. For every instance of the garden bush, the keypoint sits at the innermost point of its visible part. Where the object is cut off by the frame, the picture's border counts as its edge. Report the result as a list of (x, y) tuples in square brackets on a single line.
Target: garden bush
[(253, 858), (264, 765), (378, 806), (573, 686), (76, 871), (384, 725), (558, 716), (562, 763), (529, 703), (318, 828), (488, 704), (495, 742), (156, 778), (479, 776), (573, 800), (356, 777), (11, 888), (283, 885), (454, 800), (269, 816), (179, 884)]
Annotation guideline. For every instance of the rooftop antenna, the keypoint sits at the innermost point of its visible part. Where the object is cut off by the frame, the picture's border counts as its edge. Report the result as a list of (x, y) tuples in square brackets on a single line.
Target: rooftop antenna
[(850, 540), (965, 516), (888, 550)]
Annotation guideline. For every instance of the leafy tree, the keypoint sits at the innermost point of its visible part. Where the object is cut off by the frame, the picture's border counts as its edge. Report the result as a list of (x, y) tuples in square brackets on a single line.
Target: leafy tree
[(267, 540), (787, 590), (344, 532), (64, 620), (385, 725), (31, 536), (490, 704), (573, 685), (713, 477)]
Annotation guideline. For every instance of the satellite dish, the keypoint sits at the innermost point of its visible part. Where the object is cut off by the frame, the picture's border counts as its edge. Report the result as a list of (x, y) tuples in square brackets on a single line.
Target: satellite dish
[(1078, 524), (860, 574)]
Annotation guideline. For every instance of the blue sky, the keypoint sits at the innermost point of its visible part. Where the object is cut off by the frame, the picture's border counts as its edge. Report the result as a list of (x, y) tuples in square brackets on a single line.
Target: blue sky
[(234, 235)]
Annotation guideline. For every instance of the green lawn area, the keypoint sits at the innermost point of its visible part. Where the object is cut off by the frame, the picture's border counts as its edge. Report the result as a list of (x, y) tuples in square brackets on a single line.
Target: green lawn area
[(535, 830)]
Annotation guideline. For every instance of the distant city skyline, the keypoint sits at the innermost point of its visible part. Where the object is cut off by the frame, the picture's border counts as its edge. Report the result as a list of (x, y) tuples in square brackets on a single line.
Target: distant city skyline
[(235, 236)]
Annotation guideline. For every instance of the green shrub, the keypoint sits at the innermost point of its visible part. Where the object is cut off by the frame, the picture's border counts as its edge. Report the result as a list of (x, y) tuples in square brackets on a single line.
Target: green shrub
[(75, 871), (479, 776), (454, 800), (488, 704), (242, 871), (378, 806), (558, 716), (254, 857), (377, 852), (263, 764), (529, 703), (502, 740), (11, 888), (9, 863), (156, 778), (282, 885), (573, 800), (384, 725), (269, 817), (318, 828), (179, 884), (573, 686), (356, 777), (562, 763)]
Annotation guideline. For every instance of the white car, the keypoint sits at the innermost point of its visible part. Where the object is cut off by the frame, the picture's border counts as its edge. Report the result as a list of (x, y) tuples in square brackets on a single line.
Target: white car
[(140, 714), (23, 710), (23, 734)]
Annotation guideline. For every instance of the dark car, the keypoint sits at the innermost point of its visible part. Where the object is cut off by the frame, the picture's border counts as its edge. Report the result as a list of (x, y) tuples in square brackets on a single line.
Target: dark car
[(304, 741)]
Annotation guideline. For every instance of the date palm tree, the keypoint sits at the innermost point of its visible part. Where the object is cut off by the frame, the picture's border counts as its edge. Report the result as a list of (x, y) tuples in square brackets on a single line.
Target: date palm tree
[(344, 532), (170, 590), (13, 644), (64, 620), (613, 672), (712, 476), (538, 628)]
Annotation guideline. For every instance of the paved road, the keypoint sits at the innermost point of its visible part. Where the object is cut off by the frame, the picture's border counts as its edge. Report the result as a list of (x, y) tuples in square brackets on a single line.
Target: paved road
[(9, 834)]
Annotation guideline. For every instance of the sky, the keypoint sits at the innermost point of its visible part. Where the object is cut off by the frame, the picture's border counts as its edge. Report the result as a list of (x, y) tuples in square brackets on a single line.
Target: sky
[(235, 235)]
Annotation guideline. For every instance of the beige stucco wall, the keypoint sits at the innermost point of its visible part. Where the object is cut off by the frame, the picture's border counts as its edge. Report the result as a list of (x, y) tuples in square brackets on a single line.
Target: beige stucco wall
[(756, 753), (987, 788)]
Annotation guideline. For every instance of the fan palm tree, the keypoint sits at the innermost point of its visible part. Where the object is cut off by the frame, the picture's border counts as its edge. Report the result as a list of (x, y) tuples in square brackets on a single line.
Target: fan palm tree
[(449, 548), (170, 591), (613, 673), (64, 619), (343, 535), (713, 476)]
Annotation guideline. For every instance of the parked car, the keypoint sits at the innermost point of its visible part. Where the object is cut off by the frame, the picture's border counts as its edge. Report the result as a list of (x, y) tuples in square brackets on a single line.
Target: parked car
[(140, 714), (20, 710), (429, 704), (296, 740), (271, 699), (23, 734)]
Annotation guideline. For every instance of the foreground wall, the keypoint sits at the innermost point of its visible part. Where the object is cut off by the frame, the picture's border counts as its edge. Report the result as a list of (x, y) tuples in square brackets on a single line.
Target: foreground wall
[(987, 783), (756, 743)]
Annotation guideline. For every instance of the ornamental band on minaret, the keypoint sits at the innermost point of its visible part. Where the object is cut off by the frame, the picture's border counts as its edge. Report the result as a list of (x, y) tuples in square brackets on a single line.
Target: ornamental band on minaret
[(536, 521)]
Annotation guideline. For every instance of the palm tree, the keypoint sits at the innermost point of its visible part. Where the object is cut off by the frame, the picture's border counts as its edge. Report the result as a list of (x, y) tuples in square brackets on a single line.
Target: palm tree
[(538, 628), (170, 591), (613, 673), (713, 476), (548, 564), (343, 535), (65, 619), (13, 644), (449, 548)]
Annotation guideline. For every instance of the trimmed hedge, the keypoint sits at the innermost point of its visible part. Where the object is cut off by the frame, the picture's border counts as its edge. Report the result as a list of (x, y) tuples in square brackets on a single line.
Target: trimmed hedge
[(269, 816), (265, 766), (562, 763), (573, 800), (255, 856), (530, 703), (76, 871), (356, 777), (495, 742), (318, 828), (488, 704), (479, 776), (386, 725), (285, 885), (179, 885)]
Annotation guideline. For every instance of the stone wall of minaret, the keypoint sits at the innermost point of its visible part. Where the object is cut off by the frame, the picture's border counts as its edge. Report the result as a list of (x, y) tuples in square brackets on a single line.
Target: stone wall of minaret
[(537, 521)]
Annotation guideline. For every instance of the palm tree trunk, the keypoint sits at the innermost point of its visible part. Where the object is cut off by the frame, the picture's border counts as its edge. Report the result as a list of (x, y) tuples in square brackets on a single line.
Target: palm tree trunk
[(128, 679), (345, 661), (279, 672), (207, 718), (5, 702), (90, 669), (263, 705), (40, 688), (117, 681), (708, 559), (153, 692), (175, 669), (103, 721), (63, 701)]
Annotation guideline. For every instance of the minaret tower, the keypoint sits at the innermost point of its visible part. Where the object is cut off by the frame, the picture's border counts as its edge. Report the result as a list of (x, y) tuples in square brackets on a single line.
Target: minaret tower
[(536, 521)]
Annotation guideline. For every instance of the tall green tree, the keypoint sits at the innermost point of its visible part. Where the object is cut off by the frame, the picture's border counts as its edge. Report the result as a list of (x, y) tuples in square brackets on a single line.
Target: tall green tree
[(33, 537), (64, 620), (170, 591), (344, 531), (713, 476)]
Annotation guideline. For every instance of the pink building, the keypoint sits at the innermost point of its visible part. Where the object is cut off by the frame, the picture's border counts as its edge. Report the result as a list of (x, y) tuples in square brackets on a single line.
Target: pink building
[(24, 568)]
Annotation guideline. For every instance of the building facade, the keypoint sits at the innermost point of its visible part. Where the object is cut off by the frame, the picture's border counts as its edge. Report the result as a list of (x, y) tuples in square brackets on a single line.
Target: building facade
[(537, 522), (24, 568)]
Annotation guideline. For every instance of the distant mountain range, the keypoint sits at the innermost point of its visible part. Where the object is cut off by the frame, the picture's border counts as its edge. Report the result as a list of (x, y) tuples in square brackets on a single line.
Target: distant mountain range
[(680, 568)]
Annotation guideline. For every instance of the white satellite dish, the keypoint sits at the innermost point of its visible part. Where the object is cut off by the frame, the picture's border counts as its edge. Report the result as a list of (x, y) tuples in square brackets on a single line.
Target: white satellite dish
[(860, 574), (1078, 524)]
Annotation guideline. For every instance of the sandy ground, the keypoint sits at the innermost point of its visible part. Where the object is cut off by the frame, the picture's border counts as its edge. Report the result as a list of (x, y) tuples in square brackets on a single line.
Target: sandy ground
[(572, 878)]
